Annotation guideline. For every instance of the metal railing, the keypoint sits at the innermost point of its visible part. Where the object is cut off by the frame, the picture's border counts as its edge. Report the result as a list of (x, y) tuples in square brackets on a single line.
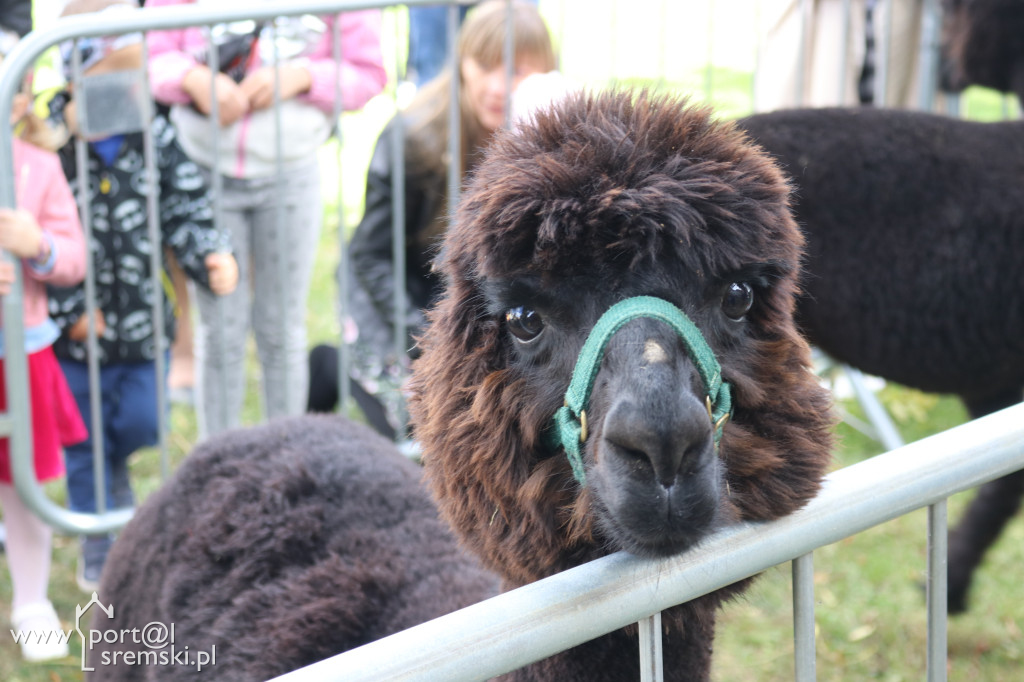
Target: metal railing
[(16, 422), (538, 620), (554, 614), (80, 26)]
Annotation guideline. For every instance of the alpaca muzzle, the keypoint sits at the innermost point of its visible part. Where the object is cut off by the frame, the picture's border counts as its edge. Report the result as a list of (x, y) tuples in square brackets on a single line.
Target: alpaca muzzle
[(570, 420)]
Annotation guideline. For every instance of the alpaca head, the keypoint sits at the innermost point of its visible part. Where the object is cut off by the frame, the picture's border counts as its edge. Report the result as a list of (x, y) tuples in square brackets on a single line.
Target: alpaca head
[(602, 199)]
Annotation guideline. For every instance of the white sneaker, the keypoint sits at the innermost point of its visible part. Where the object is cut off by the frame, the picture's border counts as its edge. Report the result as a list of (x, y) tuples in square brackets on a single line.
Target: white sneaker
[(42, 636)]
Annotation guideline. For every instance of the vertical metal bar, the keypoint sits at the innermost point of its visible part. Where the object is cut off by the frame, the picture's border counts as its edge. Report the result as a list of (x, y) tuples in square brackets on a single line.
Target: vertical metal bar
[(803, 53), (663, 34), (803, 618), (937, 597), (398, 253), (613, 21), (708, 67), (344, 391), (652, 666), (454, 112), (844, 55), (91, 343), (509, 52), (281, 245), (929, 55), (560, 39), (884, 43), (759, 43), (156, 266), (216, 191), (17, 420)]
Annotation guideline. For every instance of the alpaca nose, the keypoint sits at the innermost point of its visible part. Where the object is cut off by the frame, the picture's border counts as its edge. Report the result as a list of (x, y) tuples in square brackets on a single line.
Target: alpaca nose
[(664, 437)]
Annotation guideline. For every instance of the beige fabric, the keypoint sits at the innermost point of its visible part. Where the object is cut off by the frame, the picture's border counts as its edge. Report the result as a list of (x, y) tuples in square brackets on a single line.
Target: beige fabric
[(783, 40)]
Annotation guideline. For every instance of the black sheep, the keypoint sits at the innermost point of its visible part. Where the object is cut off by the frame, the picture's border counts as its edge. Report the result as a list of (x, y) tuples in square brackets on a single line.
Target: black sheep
[(915, 264), (281, 545)]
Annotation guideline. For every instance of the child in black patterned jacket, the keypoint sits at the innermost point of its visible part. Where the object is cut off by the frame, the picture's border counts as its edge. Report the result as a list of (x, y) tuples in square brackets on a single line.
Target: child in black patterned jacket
[(117, 186)]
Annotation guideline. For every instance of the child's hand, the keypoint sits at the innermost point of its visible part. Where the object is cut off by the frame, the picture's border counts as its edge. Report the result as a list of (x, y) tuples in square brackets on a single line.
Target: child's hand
[(20, 233), (232, 103), (80, 329), (223, 272), (6, 277), (258, 86)]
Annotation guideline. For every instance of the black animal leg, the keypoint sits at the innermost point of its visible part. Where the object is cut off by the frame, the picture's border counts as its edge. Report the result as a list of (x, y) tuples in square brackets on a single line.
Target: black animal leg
[(994, 505)]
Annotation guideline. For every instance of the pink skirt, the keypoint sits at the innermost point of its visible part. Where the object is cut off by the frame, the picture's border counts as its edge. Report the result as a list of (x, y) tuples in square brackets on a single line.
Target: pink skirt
[(56, 421)]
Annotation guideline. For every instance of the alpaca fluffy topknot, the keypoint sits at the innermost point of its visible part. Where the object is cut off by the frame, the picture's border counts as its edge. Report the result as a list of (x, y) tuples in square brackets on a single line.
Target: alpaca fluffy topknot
[(616, 175)]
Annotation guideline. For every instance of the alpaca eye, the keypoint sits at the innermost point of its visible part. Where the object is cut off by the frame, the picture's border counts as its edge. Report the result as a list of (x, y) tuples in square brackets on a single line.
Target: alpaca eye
[(737, 301), (524, 324)]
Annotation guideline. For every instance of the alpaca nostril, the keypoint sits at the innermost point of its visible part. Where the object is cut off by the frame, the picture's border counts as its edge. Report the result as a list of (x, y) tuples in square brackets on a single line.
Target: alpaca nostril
[(638, 460), (658, 444), (691, 458), (663, 464), (688, 464), (637, 455)]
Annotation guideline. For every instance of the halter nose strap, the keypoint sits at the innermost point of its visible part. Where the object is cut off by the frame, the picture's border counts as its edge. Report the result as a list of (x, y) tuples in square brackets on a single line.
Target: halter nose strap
[(570, 419)]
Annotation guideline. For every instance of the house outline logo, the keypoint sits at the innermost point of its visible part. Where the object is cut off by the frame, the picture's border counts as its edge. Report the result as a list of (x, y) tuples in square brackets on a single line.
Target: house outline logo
[(81, 611)]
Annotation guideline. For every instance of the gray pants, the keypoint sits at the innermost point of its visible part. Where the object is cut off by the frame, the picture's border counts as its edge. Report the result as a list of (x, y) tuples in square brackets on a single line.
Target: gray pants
[(275, 265)]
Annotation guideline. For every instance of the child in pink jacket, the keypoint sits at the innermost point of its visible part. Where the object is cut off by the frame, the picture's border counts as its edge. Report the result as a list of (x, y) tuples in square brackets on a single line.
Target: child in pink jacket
[(44, 233), (279, 248)]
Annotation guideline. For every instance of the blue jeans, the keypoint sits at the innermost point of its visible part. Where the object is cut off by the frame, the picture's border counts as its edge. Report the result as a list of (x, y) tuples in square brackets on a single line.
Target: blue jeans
[(129, 410)]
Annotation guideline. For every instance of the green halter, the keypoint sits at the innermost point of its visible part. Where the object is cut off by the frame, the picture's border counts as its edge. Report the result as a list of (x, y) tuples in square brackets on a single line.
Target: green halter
[(571, 419)]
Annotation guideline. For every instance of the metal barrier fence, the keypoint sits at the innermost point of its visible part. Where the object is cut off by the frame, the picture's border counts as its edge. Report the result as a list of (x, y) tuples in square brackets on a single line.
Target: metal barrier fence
[(534, 621), (543, 618), (16, 422), (707, 21)]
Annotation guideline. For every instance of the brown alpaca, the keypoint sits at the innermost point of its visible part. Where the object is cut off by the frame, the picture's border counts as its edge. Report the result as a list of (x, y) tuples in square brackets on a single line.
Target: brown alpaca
[(604, 198)]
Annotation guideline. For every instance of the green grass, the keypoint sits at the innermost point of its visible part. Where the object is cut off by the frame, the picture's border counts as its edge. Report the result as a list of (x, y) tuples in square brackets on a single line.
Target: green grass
[(870, 607)]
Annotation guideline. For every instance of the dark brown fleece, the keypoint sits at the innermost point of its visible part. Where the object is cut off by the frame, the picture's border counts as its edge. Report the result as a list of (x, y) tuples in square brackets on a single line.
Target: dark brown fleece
[(915, 262), (606, 197), (281, 545)]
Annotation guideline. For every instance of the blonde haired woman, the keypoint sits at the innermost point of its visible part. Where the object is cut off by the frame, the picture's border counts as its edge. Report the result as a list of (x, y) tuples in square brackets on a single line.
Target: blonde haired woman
[(425, 130)]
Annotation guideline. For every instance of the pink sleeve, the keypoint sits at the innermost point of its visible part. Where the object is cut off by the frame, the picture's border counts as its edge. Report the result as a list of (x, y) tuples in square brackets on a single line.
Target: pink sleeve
[(169, 59), (58, 219), (362, 73)]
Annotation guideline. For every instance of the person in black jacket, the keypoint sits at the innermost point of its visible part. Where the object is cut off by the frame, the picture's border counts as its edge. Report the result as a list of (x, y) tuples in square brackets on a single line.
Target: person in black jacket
[(117, 186), (377, 370)]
